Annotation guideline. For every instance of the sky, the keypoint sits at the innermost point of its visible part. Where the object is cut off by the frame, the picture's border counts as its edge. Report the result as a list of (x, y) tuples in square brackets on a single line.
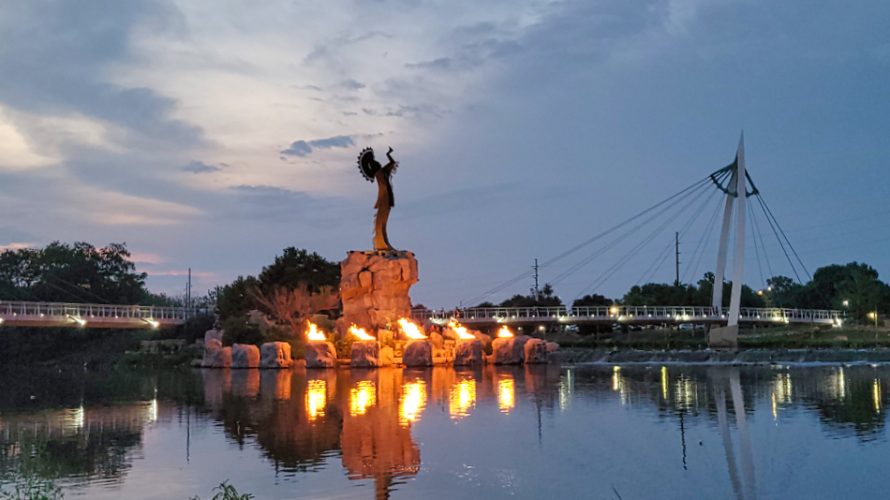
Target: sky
[(213, 134)]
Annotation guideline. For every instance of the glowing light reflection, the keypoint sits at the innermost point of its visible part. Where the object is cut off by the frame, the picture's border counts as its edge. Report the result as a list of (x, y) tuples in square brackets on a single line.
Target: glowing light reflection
[(316, 399), (413, 402), (362, 397), (506, 394), (462, 398)]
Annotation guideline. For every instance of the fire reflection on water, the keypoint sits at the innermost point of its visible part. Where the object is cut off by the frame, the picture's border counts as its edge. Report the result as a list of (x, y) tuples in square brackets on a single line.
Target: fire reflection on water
[(362, 397), (506, 394), (412, 403), (316, 399), (462, 398)]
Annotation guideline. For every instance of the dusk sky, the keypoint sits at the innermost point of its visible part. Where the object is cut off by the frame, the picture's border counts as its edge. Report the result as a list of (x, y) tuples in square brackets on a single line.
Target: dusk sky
[(212, 134)]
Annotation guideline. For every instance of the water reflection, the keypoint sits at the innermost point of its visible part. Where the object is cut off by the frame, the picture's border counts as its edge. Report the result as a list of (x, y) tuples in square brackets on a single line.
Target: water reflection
[(370, 424), (462, 398)]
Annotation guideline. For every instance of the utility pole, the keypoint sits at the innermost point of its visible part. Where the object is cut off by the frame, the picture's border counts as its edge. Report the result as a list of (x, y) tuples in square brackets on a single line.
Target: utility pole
[(536, 291), (677, 258), (188, 296)]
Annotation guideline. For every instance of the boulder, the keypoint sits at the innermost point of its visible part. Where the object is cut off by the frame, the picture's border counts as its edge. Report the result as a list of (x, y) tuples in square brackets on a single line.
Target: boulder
[(418, 353), (552, 347), (535, 351), (216, 356), (213, 335), (468, 353), (365, 354), (508, 351), (321, 355), (385, 356), (275, 355), (245, 356)]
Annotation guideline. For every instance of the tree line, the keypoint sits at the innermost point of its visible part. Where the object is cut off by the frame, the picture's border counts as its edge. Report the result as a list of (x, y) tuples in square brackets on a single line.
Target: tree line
[(853, 287)]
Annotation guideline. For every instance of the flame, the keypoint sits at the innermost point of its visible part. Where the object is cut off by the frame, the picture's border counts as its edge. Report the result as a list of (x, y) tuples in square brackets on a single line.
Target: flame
[(313, 334), (505, 332), (413, 402), (362, 397), (506, 395), (316, 399), (463, 397), (360, 332), (411, 330), (461, 331)]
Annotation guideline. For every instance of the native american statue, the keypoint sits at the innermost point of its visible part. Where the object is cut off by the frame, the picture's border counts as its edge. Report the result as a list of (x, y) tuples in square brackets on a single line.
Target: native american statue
[(373, 171)]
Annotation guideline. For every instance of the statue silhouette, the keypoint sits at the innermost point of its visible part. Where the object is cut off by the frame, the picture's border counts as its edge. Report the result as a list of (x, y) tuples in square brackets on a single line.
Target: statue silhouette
[(373, 171)]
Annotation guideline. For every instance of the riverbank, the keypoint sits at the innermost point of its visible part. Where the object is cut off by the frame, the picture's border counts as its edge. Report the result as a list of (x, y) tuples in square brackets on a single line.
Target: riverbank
[(580, 355)]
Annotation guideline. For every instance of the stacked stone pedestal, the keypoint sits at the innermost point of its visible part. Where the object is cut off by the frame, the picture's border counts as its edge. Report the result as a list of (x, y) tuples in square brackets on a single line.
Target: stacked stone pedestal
[(468, 353), (215, 355), (275, 355), (374, 288), (418, 353), (370, 354), (509, 350), (321, 355)]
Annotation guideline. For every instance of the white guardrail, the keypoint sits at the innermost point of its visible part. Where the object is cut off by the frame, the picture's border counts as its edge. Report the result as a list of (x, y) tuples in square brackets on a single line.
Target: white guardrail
[(629, 314), (23, 312)]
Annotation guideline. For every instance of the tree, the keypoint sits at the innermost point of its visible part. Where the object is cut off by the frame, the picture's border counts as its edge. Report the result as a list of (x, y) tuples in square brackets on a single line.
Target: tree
[(78, 272), (294, 267), (547, 298), (293, 307), (236, 299), (592, 300)]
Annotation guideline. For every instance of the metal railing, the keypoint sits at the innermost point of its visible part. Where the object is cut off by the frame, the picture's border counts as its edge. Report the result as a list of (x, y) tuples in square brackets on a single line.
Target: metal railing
[(630, 314), (16, 309)]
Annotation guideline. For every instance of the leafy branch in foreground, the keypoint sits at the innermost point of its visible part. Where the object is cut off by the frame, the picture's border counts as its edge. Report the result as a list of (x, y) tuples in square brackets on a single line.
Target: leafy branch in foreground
[(226, 491)]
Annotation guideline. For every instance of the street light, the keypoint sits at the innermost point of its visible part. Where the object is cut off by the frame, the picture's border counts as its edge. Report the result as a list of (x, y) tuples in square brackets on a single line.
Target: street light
[(846, 303)]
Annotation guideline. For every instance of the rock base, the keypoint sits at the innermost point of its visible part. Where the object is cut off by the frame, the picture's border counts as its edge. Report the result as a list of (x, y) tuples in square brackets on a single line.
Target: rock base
[(245, 356), (275, 355), (321, 355), (370, 354), (508, 351), (468, 353), (535, 351), (724, 337), (374, 288), (418, 353), (215, 355)]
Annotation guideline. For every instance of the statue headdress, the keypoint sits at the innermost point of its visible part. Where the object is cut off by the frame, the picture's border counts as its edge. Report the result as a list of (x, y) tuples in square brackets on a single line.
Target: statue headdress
[(367, 165)]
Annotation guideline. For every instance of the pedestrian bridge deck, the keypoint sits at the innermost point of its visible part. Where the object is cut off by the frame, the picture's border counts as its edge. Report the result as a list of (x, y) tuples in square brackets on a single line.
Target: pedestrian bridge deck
[(58, 314), (634, 315)]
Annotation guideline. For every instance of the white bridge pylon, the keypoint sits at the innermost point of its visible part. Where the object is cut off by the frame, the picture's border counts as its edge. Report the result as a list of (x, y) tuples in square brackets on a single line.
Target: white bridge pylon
[(736, 200)]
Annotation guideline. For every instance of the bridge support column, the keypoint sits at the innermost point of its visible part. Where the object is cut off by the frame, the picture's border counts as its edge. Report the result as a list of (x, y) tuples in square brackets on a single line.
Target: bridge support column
[(727, 337)]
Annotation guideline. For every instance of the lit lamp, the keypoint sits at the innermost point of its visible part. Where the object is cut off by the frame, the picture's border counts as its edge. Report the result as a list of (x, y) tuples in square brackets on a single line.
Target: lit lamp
[(320, 353), (418, 351), (468, 350)]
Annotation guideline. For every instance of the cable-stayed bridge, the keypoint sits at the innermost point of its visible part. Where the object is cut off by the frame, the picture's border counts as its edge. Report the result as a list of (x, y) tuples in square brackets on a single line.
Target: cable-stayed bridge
[(736, 197)]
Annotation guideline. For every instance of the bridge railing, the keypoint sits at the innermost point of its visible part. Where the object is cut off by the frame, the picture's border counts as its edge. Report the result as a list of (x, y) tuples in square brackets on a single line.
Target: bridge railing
[(618, 313), (86, 311)]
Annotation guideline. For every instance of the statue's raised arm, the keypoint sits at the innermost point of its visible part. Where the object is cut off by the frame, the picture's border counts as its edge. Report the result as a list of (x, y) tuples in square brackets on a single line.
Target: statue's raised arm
[(373, 171)]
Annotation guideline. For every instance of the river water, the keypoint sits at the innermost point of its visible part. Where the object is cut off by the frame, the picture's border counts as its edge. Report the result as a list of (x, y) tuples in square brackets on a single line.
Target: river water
[(554, 432)]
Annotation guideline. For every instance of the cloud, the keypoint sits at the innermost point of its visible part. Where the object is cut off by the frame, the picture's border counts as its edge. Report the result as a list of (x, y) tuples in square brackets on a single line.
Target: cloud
[(199, 167), (17, 245), (303, 148)]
